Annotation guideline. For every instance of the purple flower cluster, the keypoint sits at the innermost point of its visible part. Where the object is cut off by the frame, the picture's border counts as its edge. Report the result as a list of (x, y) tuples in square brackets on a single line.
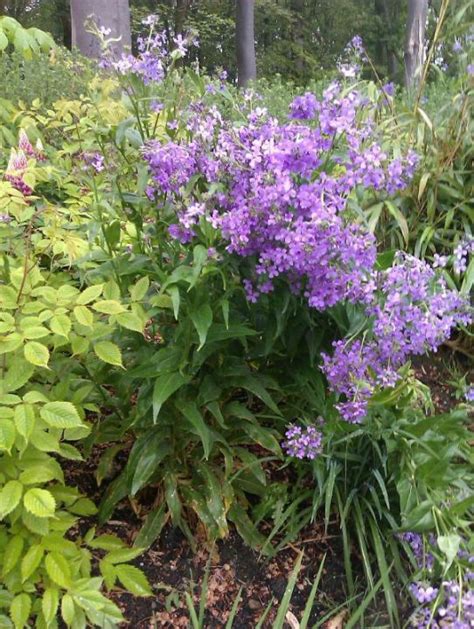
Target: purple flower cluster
[(279, 194), (303, 443), (94, 161), (449, 604), (412, 312), (461, 254), (454, 608), (153, 56), (423, 557)]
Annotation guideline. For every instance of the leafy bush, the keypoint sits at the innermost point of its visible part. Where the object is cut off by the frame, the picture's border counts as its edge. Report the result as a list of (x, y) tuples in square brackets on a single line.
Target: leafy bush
[(52, 332)]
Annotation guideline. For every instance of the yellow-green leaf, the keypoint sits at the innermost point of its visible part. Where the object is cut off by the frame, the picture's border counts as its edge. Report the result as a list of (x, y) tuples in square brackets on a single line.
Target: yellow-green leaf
[(60, 324), (108, 352), (90, 294), (60, 415), (67, 609), (31, 561), (50, 603), (130, 321), (58, 569), (35, 332), (108, 306), (24, 420), (84, 316), (7, 434), (139, 291), (10, 497), (133, 580), (20, 609), (39, 502), (36, 354), (12, 554)]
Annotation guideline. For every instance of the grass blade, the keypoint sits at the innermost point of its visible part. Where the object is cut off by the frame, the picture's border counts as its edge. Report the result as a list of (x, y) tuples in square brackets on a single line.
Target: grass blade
[(233, 611), (311, 597), (285, 601)]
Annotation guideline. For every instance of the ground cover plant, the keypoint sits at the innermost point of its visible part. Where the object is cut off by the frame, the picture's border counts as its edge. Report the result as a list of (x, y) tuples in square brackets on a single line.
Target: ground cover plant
[(210, 293)]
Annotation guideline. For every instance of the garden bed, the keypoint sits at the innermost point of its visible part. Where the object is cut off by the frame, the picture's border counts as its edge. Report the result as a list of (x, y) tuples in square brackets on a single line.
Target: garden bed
[(173, 569)]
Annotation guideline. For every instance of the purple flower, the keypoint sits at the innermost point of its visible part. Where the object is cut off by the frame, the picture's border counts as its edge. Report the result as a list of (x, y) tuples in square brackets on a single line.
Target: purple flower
[(469, 394), (180, 43), (304, 107), (303, 443), (439, 261)]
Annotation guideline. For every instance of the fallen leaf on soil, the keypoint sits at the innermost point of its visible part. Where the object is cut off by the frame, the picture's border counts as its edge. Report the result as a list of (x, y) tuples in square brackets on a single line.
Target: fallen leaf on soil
[(337, 622), (292, 620)]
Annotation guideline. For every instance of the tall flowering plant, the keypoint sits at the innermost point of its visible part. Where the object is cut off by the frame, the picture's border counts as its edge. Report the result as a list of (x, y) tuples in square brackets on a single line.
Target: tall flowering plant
[(284, 198)]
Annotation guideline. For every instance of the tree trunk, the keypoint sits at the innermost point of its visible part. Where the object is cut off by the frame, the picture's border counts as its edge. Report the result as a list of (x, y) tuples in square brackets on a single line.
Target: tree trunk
[(181, 13), (113, 14), (245, 42), (415, 41), (298, 37)]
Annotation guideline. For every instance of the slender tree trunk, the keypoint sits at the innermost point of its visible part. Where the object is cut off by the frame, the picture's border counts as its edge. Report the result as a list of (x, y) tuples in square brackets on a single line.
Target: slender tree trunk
[(181, 12), (415, 41), (299, 26), (245, 42), (113, 14)]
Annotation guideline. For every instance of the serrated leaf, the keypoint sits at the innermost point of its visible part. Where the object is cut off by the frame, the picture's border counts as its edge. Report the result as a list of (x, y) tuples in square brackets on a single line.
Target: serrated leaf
[(133, 580), (7, 434), (35, 332), (24, 419), (109, 353), (89, 294), (50, 603), (31, 561), (123, 555), (61, 415), (58, 569), (108, 572), (68, 609), (140, 289), (17, 375), (130, 321), (108, 306), (84, 316), (12, 554), (37, 474), (106, 542), (20, 610), (39, 502), (61, 325), (36, 354), (10, 497), (84, 506)]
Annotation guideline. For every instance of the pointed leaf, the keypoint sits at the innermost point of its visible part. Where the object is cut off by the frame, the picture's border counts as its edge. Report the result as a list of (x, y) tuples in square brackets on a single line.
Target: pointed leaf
[(40, 503), (36, 354), (202, 319), (10, 497), (133, 580), (164, 387), (109, 353), (61, 415)]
